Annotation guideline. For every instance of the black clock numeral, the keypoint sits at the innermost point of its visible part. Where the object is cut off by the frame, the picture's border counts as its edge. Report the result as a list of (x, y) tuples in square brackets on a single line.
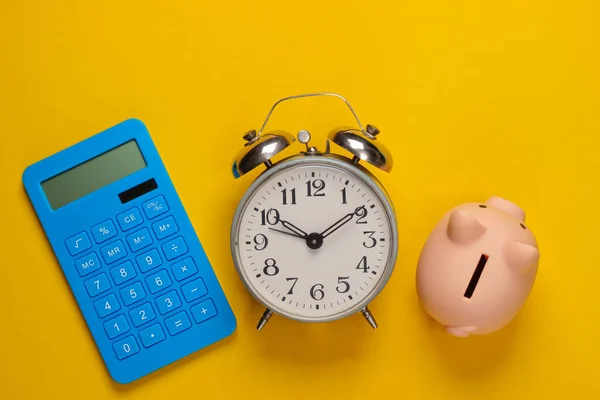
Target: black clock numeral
[(291, 291), (260, 240), (316, 292), (343, 196), (270, 268), (346, 285), (284, 195), (372, 240), (362, 214), (318, 185), (271, 216), (362, 264)]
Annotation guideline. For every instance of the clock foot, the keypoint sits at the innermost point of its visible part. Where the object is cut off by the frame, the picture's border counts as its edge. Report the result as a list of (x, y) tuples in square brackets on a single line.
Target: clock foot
[(264, 319), (369, 317)]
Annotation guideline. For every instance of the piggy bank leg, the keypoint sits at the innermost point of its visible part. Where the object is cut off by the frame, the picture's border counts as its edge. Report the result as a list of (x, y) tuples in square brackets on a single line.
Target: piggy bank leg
[(460, 331)]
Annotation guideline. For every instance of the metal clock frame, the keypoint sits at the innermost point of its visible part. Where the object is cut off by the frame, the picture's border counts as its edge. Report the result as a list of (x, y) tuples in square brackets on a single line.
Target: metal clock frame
[(362, 174)]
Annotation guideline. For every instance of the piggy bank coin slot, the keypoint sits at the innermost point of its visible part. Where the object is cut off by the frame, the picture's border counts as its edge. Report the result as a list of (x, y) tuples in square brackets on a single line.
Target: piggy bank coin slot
[(476, 275)]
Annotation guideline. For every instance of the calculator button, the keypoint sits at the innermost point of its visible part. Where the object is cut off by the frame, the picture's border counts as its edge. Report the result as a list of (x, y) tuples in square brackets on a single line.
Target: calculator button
[(96, 285), (184, 269), (139, 240), (104, 231), (122, 273), (158, 281), (107, 305), (155, 207), (152, 335), (194, 290), (88, 264), (116, 326), (133, 294), (168, 302), (174, 248), (129, 219), (78, 243), (165, 227), (113, 252), (148, 261), (126, 347), (177, 323), (142, 314), (203, 311)]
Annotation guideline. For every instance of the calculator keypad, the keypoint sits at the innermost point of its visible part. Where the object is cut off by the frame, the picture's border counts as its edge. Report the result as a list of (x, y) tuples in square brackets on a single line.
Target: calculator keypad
[(145, 285)]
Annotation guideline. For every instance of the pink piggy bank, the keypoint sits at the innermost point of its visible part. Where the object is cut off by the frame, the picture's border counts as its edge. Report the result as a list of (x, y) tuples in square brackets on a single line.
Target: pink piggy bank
[(477, 267)]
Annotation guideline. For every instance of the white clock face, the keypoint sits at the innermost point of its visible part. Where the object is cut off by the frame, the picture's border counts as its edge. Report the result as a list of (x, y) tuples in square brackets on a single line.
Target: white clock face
[(314, 241)]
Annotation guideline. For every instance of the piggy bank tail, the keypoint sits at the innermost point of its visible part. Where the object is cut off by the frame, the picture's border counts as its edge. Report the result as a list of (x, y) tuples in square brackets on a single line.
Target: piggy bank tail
[(460, 331)]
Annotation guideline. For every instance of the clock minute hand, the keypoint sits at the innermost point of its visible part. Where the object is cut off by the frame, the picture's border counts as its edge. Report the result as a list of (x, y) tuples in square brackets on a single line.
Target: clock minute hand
[(341, 222)]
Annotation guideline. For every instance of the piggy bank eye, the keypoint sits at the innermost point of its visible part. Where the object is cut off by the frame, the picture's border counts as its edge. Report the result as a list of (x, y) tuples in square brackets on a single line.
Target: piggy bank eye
[(523, 226), (482, 206)]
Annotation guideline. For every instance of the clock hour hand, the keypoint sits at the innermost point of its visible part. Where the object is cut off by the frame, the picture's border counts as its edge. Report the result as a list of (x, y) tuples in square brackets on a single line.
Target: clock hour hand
[(341, 222), (295, 231)]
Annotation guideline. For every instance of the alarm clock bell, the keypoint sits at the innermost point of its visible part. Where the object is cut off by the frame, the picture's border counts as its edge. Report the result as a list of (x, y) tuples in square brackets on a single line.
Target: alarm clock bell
[(362, 143)]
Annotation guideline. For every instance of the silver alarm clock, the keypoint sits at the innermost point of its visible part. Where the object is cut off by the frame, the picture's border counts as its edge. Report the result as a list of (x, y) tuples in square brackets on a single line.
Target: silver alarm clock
[(314, 237)]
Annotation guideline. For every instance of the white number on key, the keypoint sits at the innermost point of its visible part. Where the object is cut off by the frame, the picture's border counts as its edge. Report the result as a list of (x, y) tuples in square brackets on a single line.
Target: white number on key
[(132, 293), (126, 348), (143, 314), (168, 301), (158, 281), (97, 284)]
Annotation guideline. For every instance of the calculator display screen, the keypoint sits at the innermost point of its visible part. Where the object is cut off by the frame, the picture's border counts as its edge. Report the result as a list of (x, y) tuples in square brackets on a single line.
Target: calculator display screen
[(93, 174)]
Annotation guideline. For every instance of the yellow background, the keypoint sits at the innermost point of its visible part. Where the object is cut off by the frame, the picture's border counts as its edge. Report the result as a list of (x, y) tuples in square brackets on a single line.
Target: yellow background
[(474, 98)]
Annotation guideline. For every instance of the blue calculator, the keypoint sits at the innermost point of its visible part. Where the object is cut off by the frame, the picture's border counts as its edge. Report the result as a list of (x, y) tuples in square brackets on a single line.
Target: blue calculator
[(129, 252)]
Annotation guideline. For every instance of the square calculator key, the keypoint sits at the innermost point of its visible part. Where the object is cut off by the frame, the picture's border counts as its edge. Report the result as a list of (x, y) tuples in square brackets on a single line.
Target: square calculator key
[(148, 261), (174, 248), (194, 290), (78, 243), (123, 273), (129, 219), (203, 311), (168, 302), (165, 228), (184, 269), (107, 305), (133, 294), (178, 323), (152, 335), (139, 240), (126, 347), (155, 207), (142, 314), (104, 231), (113, 252), (96, 285), (158, 281), (87, 264), (116, 326)]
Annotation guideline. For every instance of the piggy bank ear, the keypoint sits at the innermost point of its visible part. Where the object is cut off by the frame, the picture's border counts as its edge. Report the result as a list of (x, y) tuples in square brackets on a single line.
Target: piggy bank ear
[(464, 228), (520, 256)]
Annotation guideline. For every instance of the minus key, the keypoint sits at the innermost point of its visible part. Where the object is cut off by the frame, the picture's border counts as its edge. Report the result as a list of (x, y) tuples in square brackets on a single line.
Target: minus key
[(194, 290)]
